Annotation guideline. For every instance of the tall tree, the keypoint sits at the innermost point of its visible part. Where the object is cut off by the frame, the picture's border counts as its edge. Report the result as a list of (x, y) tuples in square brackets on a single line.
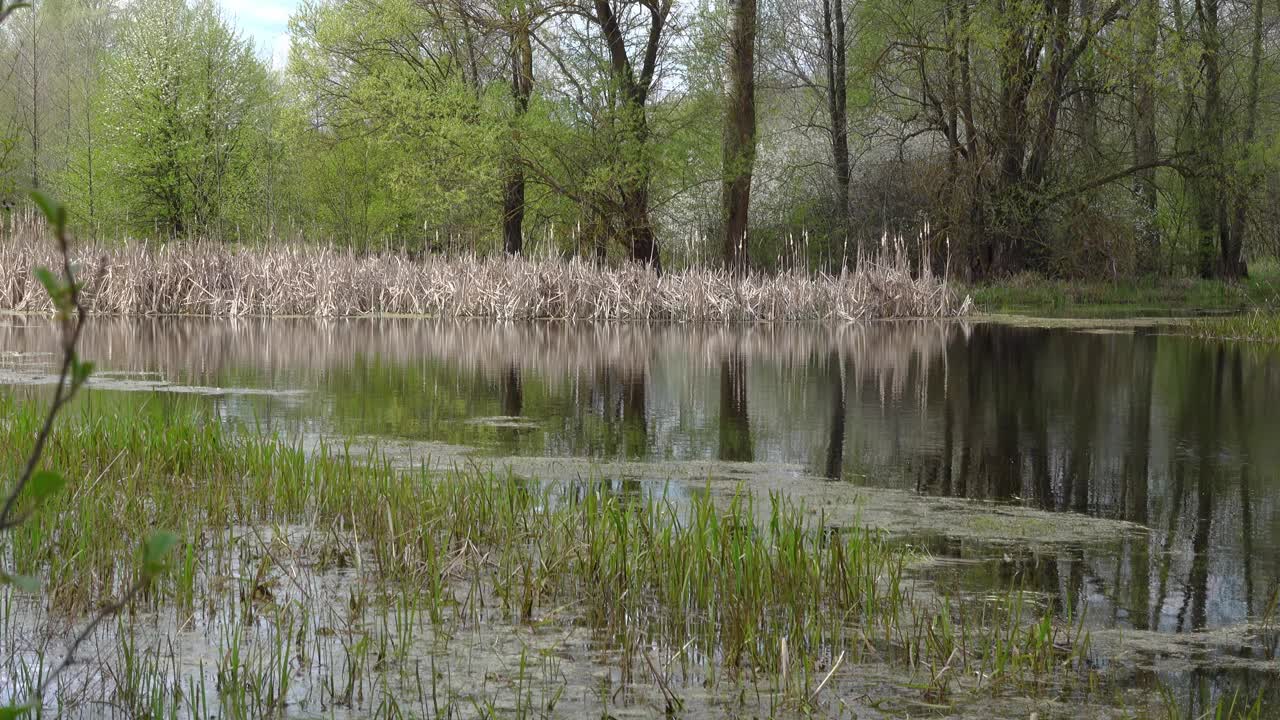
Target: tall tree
[(1212, 231), (513, 195), (182, 98), (633, 90), (517, 20), (739, 133), (1146, 148), (32, 61), (835, 50), (1232, 261), (405, 94)]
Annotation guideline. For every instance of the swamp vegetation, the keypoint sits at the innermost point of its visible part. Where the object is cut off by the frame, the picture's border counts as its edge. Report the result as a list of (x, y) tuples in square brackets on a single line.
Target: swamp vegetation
[(619, 358), (404, 518)]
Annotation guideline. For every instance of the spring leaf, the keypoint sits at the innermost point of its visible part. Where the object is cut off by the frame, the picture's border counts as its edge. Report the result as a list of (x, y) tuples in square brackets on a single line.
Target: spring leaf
[(80, 372), (13, 712), (155, 550), (45, 483), (25, 583), (54, 211)]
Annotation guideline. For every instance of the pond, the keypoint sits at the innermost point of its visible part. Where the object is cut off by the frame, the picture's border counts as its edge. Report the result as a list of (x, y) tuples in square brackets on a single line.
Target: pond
[(1127, 472)]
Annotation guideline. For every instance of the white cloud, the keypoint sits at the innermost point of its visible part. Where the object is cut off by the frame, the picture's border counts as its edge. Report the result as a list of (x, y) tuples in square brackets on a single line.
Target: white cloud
[(265, 23), (280, 50)]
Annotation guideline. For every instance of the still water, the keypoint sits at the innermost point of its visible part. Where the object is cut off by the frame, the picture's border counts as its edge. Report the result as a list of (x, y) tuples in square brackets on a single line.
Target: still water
[(1123, 421)]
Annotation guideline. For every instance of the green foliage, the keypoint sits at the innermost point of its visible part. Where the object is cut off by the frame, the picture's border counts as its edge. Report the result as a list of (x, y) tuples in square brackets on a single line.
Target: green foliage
[(1152, 295), (54, 212), (182, 101), (396, 125), (45, 483), (1258, 326), (155, 552), (390, 151)]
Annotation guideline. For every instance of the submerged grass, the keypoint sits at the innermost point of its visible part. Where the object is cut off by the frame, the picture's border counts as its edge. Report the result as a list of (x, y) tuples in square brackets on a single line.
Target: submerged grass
[(351, 564), (207, 279)]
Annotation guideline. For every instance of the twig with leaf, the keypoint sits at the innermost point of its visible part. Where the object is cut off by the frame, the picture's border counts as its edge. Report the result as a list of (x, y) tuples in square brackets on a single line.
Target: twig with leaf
[(65, 293), (35, 485), (7, 9)]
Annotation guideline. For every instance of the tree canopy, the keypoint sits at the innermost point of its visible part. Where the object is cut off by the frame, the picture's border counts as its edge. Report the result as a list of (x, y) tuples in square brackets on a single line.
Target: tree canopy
[(1066, 137)]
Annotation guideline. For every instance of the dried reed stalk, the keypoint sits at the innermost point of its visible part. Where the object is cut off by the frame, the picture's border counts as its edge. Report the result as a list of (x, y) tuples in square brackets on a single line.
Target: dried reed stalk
[(208, 279)]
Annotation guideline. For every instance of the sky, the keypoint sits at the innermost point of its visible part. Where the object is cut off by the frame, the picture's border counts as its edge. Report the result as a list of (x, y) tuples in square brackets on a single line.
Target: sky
[(265, 23)]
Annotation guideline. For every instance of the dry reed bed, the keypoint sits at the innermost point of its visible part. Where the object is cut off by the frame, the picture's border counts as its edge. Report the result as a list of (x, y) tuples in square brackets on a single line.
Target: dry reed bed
[(207, 279)]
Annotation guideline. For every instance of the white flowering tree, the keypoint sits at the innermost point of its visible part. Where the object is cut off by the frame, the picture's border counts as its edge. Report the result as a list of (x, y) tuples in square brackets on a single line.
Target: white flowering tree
[(182, 103)]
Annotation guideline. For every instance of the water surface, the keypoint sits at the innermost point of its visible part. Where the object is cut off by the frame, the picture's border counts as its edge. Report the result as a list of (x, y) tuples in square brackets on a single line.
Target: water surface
[(1126, 422)]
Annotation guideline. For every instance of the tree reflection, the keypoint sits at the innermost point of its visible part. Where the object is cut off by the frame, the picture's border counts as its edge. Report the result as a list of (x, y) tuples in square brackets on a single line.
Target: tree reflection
[(735, 426), (834, 466)]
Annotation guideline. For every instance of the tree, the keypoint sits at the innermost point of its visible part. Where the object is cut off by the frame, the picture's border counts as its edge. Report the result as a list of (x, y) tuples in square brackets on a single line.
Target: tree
[(1212, 230), (181, 99), (739, 134), (517, 20), (1233, 265), (630, 117), (30, 68), (835, 50), (521, 91), (1063, 137), (1146, 148), (401, 91)]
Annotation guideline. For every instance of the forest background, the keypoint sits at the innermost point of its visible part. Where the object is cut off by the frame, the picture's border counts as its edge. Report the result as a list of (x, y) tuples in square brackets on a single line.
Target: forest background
[(1064, 138)]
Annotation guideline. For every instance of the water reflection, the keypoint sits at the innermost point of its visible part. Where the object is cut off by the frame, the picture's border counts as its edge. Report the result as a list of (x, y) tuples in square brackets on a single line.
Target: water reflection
[(1178, 435)]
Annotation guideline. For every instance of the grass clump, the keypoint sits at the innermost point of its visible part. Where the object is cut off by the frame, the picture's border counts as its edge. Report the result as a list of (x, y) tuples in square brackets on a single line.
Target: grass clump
[(1031, 293), (323, 579), (1262, 327)]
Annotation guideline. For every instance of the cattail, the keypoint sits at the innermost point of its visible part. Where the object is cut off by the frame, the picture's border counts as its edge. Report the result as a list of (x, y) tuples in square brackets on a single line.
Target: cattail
[(205, 278)]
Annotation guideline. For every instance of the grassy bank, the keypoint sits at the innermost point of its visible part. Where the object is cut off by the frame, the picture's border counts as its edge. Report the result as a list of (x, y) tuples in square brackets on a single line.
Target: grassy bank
[(1258, 326), (206, 279), (316, 583), (1032, 294)]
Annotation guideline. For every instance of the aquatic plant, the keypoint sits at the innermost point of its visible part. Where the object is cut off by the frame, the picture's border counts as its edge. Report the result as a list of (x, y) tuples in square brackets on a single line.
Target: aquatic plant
[(327, 577), (208, 279)]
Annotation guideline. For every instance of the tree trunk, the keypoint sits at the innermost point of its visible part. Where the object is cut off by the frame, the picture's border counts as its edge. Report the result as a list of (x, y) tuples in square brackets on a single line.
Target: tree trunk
[(1086, 95), (35, 103), (739, 135), (1210, 201), (513, 209), (835, 49), (1145, 143), (735, 425), (953, 193), (513, 195), (633, 182), (637, 231), (1232, 251), (975, 228)]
